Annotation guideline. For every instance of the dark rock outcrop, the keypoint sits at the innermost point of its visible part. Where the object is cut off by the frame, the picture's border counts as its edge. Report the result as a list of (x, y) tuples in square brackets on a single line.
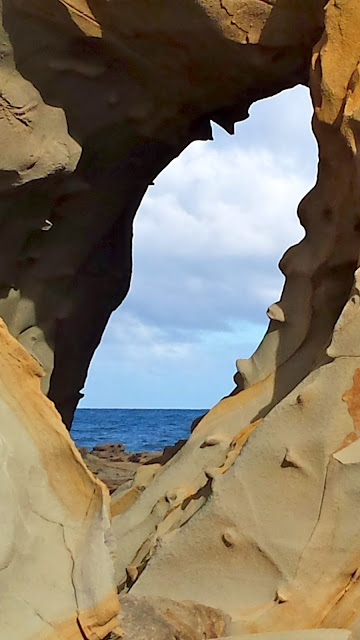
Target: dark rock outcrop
[(113, 465), (97, 98)]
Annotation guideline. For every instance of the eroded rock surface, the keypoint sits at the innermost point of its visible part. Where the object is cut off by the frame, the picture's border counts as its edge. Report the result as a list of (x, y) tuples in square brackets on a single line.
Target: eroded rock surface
[(115, 466), (147, 618), (56, 558), (257, 510), (256, 514), (103, 97)]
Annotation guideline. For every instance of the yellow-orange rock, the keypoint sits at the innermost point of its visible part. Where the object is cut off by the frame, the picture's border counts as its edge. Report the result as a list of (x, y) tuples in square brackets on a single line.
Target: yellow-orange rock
[(263, 523), (56, 567), (257, 513)]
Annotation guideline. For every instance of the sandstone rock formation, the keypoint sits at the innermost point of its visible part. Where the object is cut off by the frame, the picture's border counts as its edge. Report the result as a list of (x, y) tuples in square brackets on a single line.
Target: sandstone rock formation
[(256, 512), (56, 569), (256, 515), (114, 466), (103, 97), (147, 618)]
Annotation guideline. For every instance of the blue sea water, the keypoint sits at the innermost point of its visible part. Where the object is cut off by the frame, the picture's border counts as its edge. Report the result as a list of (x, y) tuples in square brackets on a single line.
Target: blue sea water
[(137, 429)]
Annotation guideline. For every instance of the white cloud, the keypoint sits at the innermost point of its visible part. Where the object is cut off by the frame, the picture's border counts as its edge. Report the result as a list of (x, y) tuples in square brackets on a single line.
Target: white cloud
[(137, 342), (214, 203), (207, 241)]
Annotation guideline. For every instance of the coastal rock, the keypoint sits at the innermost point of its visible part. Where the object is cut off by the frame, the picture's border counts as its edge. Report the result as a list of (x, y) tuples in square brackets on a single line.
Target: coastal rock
[(261, 524), (256, 514), (115, 466), (97, 99), (147, 618), (56, 558)]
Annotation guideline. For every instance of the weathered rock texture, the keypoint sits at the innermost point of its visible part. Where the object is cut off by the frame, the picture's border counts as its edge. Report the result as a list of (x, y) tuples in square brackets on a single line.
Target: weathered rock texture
[(97, 98), (114, 466), (257, 512), (56, 568), (256, 515)]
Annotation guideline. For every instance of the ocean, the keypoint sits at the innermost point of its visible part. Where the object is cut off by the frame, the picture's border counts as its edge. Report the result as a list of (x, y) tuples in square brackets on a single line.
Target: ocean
[(137, 429)]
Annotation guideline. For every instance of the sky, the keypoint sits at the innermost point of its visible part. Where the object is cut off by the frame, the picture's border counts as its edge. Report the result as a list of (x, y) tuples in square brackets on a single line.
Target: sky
[(207, 241)]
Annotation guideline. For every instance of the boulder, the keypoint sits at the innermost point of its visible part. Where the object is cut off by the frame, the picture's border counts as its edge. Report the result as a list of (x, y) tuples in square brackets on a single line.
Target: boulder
[(147, 618)]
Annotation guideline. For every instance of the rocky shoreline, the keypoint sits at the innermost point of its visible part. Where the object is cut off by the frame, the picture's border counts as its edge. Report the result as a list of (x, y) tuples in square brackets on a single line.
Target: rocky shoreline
[(114, 465), (117, 467)]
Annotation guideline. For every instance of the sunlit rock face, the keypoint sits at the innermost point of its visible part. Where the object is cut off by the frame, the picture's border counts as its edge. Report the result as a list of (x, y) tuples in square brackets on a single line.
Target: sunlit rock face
[(256, 515), (96, 99), (56, 562), (256, 512)]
